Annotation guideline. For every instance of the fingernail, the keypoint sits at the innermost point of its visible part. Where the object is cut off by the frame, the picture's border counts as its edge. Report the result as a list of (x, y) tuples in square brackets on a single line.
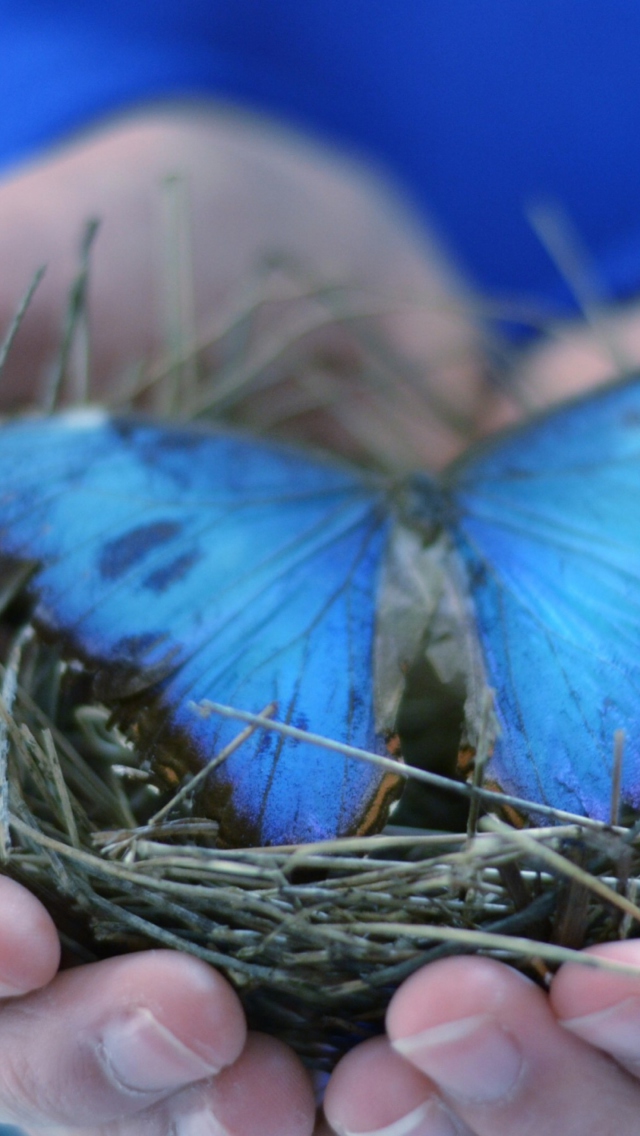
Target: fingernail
[(141, 1055), (473, 1059), (10, 989), (616, 1029), (429, 1119), (198, 1122)]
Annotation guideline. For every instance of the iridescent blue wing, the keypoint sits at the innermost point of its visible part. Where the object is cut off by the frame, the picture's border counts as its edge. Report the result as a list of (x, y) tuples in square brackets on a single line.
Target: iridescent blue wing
[(548, 524), (183, 564)]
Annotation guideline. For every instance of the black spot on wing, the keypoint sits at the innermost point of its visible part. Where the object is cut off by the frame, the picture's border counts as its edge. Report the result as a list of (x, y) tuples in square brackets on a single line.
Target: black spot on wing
[(160, 439), (182, 441), (477, 574), (119, 555), (170, 450), (127, 674), (163, 578), (135, 647), (356, 703)]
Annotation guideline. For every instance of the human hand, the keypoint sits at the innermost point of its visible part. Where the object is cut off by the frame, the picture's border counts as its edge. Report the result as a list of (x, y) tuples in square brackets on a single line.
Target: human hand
[(130, 1046), (475, 1049), (151, 1043), (252, 189)]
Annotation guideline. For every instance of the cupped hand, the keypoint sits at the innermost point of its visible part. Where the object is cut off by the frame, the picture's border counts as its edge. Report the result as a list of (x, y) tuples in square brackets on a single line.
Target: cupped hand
[(156, 1043), (475, 1049), (152, 1043)]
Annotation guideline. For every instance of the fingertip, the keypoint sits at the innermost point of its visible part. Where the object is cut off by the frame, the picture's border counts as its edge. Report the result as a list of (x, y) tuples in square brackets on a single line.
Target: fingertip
[(578, 990), (117, 1037), (267, 1092), (448, 990), (372, 1087), (187, 996), (29, 943)]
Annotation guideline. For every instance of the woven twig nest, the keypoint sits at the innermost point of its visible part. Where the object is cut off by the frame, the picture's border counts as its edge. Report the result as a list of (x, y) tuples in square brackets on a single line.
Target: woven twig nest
[(314, 938)]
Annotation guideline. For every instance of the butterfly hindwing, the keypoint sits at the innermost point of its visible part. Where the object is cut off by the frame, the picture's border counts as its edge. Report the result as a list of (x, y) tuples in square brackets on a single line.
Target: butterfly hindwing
[(221, 569), (547, 520)]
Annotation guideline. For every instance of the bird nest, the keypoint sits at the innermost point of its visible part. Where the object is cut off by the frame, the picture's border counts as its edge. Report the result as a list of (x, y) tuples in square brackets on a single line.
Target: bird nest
[(314, 938)]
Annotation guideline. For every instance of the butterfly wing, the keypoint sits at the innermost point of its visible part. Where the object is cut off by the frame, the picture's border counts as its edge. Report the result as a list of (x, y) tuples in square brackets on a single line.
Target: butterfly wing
[(548, 525), (183, 564)]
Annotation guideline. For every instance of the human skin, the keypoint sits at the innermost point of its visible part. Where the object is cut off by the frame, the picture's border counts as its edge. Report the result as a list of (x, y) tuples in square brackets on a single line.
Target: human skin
[(251, 191), (130, 1046)]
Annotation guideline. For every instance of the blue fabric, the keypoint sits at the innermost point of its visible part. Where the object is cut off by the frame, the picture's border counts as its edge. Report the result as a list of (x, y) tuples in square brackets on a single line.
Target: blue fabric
[(478, 108)]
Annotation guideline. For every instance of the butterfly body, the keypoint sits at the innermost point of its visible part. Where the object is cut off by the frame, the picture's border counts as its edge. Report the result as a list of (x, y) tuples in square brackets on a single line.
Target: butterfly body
[(184, 564)]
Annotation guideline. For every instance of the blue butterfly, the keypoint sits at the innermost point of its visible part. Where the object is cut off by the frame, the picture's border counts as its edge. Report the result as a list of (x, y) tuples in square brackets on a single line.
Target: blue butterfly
[(183, 564)]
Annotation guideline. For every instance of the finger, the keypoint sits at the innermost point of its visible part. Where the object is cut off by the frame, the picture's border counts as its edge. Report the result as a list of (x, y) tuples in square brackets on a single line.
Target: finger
[(107, 1041), (29, 945), (266, 1092), (601, 1007), (375, 1091), (489, 1040)]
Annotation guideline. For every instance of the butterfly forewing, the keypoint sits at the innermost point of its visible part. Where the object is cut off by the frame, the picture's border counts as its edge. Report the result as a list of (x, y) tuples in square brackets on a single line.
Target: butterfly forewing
[(547, 520), (221, 569)]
